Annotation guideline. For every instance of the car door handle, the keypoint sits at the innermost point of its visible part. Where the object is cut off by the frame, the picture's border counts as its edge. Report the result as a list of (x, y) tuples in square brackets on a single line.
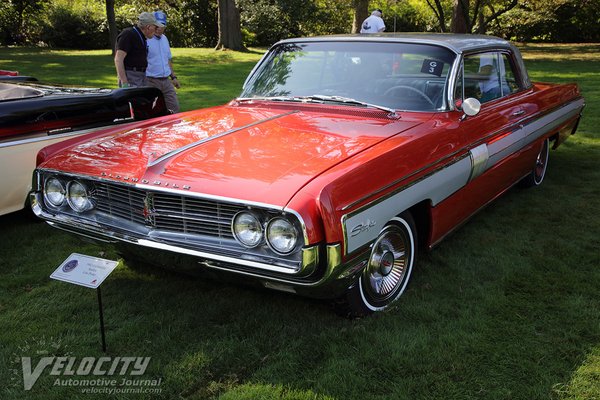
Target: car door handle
[(517, 113)]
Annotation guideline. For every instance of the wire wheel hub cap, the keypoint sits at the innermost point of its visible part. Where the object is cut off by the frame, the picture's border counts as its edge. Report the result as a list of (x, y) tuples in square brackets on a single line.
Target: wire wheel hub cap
[(387, 268)]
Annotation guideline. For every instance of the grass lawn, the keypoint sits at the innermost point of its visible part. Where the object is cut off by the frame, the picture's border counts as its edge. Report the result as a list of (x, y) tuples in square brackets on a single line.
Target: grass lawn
[(508, 307), (207, 77)]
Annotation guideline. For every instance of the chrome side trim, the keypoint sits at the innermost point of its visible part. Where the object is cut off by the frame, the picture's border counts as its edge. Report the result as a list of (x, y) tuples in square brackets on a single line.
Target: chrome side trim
[(363, 225), (527, 134), (180, 150), (40, 137), (579, 102), (452, 157), (479, 157), (528, 120)]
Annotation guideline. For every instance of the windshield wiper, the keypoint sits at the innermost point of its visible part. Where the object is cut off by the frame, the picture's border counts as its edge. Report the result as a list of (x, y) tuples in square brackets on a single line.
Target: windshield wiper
[(267, 98), (348, 100), (321, 98)]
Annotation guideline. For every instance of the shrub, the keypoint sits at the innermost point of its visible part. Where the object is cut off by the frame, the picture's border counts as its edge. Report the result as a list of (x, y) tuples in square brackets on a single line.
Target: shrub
[(75, 28)]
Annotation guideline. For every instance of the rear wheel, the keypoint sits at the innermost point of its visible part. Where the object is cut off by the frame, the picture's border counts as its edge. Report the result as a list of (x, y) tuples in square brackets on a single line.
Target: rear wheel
[(536, 176), (387, 273)]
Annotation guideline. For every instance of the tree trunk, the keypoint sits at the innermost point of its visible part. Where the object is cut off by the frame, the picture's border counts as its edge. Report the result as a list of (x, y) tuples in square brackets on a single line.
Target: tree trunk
[(112, 24), (230, 32), (361, 12), (460, 17), (438, 10), (485, 21), (19, 36)]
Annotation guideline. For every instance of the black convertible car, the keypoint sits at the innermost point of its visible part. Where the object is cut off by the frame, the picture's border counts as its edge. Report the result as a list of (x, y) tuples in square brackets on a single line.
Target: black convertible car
[(34, 115)]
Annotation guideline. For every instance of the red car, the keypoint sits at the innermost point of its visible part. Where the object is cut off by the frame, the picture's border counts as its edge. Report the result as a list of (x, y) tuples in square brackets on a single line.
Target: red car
[(340, 158)]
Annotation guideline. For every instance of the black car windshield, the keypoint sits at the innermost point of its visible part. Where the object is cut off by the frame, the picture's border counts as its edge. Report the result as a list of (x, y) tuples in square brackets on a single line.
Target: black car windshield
[(400, 76)]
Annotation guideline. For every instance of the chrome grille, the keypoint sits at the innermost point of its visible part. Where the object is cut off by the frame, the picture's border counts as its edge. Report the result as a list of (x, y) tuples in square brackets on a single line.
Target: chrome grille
[(121, 201), (196, 216), (124, 212), (168, 212)]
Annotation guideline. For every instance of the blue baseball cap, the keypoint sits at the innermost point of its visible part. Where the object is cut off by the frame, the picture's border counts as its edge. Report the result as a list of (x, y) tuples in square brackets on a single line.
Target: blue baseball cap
[(161, 17)]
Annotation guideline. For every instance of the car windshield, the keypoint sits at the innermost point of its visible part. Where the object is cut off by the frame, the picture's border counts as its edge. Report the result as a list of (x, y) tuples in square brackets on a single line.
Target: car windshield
[(399, 76)]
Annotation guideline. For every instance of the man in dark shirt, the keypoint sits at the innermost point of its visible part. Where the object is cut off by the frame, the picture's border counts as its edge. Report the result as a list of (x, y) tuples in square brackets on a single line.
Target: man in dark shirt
[(131, 51)]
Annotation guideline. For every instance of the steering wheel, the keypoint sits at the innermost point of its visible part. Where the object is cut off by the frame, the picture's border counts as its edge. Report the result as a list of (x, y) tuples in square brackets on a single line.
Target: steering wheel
[(411, 90)]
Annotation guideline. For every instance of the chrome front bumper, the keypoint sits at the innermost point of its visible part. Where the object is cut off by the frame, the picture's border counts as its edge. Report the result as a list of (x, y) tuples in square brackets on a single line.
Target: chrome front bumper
[(322, 273)]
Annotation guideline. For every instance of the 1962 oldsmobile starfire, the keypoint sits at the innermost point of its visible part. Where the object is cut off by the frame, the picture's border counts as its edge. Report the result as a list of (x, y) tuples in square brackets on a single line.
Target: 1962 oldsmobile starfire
[(342, 155)]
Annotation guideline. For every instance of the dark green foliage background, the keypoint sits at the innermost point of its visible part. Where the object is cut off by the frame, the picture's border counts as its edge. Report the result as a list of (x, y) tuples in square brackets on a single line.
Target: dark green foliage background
[(81, 24)]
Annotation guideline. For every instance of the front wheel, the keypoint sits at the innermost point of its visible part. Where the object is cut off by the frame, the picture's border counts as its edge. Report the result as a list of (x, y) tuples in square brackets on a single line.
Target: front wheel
[(387, 273), (536, 176)]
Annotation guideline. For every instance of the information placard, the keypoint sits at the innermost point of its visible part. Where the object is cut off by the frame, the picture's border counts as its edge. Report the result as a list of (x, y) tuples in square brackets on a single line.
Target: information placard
[(84, 270)]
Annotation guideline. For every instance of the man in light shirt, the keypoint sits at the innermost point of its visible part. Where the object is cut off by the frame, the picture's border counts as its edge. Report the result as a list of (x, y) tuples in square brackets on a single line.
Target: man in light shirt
[(160, 66), (373, 23)]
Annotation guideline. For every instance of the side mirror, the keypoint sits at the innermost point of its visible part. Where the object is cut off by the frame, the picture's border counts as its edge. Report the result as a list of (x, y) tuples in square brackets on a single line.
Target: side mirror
[(471, 107)]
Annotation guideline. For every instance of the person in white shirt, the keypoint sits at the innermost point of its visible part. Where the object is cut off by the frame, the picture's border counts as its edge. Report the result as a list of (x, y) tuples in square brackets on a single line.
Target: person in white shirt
[(160, 65), (373, 23)]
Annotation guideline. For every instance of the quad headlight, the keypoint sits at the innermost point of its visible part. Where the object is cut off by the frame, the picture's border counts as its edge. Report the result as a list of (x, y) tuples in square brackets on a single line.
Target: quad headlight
[(54, 192), (282, 236), (60, 192), (254, 228), (247, 229), (78, 197)]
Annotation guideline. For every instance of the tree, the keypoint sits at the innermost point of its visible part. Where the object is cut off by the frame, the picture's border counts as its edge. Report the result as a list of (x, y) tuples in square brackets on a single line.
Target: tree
[(361, 11), (23, 12), (438, 10), (112, 24), (460, 15), (230, 32), (470, 17), (495, 10)]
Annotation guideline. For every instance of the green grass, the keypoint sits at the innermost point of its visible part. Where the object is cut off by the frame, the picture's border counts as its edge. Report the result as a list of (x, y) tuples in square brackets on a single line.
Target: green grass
[(207, 77), (508, 307)]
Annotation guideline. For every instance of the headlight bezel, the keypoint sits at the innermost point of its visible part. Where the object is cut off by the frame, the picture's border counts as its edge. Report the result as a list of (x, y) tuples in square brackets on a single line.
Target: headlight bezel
[(265, 222), (292, 228), (63, 192), (259, 224), (71, 190), (88, 204)]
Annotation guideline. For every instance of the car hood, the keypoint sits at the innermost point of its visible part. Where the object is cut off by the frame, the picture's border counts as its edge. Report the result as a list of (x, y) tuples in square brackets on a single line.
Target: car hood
[(249, 153)]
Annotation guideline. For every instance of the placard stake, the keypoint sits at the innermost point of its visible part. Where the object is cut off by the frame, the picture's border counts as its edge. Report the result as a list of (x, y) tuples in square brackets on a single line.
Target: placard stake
[(89, 272), (101, 319)]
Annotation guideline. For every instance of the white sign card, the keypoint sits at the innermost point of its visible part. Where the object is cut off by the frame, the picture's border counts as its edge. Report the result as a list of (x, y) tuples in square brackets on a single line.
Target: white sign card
[(84, 270)]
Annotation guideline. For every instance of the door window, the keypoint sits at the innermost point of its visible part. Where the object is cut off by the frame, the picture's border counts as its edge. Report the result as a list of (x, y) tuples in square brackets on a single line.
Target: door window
[(486, 77)]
